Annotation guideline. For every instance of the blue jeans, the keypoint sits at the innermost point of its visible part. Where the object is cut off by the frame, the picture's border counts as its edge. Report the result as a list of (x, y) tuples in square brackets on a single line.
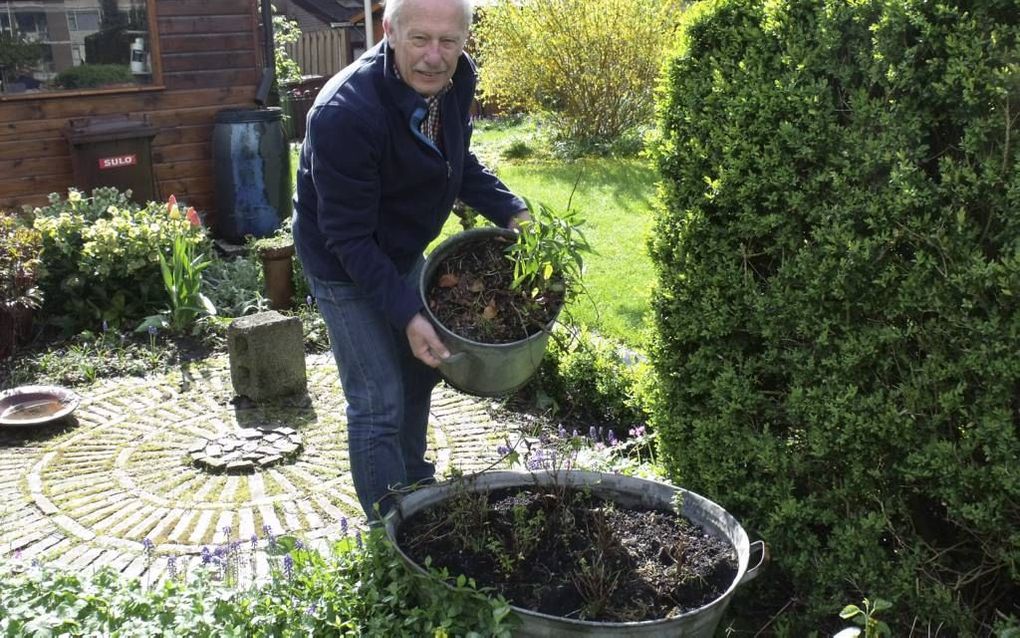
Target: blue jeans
[(388, 393)]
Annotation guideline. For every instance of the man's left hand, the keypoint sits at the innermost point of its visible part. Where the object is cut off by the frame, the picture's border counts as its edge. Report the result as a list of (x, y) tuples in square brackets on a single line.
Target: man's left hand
[(425, 343)]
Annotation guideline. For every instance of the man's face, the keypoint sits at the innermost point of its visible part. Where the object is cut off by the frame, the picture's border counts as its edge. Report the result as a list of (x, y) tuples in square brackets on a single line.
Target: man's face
[(427, 40)]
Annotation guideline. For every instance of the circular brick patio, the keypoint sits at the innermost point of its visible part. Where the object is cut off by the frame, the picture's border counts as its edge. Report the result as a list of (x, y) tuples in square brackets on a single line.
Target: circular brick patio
[(89, 494)]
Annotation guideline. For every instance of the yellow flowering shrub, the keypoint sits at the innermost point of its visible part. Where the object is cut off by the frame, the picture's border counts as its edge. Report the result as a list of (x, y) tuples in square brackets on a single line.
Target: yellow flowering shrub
[(590, 66)]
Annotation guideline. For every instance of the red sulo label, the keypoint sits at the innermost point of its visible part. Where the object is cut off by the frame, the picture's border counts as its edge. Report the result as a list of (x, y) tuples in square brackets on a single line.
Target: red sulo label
[(117, 161)]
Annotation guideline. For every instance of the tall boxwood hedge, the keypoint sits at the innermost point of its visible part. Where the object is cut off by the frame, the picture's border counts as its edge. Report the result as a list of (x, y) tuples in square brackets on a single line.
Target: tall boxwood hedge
[(837, 323)]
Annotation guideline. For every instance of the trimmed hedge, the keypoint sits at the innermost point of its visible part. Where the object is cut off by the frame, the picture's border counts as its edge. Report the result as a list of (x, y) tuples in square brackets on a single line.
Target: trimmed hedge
[(88, 76), (837, 327)]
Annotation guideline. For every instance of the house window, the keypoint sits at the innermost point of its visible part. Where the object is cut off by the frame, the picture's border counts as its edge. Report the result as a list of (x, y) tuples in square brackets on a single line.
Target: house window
[(52, 46), (83, 21)]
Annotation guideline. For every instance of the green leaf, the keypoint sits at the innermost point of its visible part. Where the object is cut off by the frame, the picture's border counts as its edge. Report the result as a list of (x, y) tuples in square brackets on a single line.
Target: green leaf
[(850, 611)]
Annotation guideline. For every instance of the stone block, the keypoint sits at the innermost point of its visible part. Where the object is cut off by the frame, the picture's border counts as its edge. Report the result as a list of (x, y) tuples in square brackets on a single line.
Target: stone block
[(267, 356)]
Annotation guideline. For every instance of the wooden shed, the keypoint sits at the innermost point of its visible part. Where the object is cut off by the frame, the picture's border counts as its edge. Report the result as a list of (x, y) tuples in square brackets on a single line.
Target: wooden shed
[(187, 60)]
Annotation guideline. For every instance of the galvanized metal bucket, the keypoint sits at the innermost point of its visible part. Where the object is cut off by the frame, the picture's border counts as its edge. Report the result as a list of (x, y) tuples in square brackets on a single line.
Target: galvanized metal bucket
[(482, 369), (627, 492)]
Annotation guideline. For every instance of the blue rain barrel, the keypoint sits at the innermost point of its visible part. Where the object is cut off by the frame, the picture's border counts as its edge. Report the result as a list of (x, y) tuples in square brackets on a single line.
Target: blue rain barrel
[(251, 164)]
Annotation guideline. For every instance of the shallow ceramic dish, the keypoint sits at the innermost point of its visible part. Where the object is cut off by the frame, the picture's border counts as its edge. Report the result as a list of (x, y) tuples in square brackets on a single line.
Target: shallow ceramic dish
[(33, 405)]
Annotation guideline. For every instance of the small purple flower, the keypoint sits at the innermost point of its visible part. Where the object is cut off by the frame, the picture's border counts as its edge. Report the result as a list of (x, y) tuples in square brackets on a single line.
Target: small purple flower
[(503, 450), (36, 563), (593, 434), (638, 432), (17, 554), (106, 326), (537, 460), (226, 530), (357, 539), (575, 433), (562, 432), (611, 438), (343, 525), (152, 331), (311, 609), (298, 544), (206, 556), (267, 529), (171, 567), (254, 541), (308, 300), (147, 545), (288, 566), (235, 546)]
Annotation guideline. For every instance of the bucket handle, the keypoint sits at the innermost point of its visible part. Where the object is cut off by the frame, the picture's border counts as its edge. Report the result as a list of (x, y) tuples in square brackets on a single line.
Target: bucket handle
[(456, 357), (752, 572)]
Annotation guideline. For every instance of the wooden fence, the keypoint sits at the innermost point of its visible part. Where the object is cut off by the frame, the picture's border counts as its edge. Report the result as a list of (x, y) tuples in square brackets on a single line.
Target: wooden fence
[(321, 52)]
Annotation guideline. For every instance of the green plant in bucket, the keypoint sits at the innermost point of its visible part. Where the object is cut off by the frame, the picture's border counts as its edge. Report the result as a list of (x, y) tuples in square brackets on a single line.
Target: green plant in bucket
[(548, 253)]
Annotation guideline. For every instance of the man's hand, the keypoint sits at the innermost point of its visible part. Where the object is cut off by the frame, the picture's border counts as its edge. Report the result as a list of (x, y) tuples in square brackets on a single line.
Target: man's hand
[(425, 343), (519, 216)]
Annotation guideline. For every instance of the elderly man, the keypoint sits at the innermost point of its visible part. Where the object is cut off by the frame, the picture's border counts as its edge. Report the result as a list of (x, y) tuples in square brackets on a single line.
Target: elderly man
[(385, 155)]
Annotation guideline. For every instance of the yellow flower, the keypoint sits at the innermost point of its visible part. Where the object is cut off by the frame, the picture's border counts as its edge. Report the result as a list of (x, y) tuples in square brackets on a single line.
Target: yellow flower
[(73, 195)]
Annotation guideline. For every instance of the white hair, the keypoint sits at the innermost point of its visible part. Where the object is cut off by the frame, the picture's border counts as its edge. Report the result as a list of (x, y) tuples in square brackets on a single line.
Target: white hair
[(393, 8)]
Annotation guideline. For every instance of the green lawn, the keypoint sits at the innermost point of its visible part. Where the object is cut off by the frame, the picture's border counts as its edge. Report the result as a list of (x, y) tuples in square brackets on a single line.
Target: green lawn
[(614, 197)]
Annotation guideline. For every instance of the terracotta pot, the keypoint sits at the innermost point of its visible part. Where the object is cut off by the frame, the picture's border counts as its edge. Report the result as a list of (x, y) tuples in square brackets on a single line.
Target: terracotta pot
[(278, 268)]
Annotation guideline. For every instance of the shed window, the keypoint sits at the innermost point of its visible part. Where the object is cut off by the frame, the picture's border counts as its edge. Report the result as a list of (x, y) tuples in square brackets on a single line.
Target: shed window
[(51, 46)]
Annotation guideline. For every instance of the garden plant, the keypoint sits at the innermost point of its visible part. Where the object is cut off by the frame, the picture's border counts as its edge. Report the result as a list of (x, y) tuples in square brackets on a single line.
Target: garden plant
[(20, 297), (101, 257), (836, 317), (588, 66), (358, 587)]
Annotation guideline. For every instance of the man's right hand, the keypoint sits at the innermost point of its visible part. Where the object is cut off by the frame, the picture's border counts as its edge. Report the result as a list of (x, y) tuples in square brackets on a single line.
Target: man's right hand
[(425, 343)]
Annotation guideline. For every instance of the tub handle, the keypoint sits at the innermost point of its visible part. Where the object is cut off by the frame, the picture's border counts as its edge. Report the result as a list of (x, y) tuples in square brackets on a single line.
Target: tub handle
[(752, 572)]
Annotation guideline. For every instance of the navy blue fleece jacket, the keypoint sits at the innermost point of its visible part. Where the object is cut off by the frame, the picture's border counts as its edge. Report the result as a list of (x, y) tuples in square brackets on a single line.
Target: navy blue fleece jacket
[(372, 191)]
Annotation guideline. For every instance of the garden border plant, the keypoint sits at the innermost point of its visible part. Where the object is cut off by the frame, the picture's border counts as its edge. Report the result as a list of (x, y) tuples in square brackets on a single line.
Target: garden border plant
[(20, 296), (100, 259), (359, 587)]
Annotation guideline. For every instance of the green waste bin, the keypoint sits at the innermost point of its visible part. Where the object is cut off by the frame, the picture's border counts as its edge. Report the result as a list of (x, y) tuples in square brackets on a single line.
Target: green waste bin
[(113, 151)]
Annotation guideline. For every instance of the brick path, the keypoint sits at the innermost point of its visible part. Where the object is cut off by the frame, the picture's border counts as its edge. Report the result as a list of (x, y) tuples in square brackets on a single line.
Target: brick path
[(88, 493)]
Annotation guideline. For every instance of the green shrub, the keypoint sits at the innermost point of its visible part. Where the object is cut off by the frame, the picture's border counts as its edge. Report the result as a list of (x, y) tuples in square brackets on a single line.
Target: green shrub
[(585, 379), (837, 329), (87, 76), (101, 257)]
